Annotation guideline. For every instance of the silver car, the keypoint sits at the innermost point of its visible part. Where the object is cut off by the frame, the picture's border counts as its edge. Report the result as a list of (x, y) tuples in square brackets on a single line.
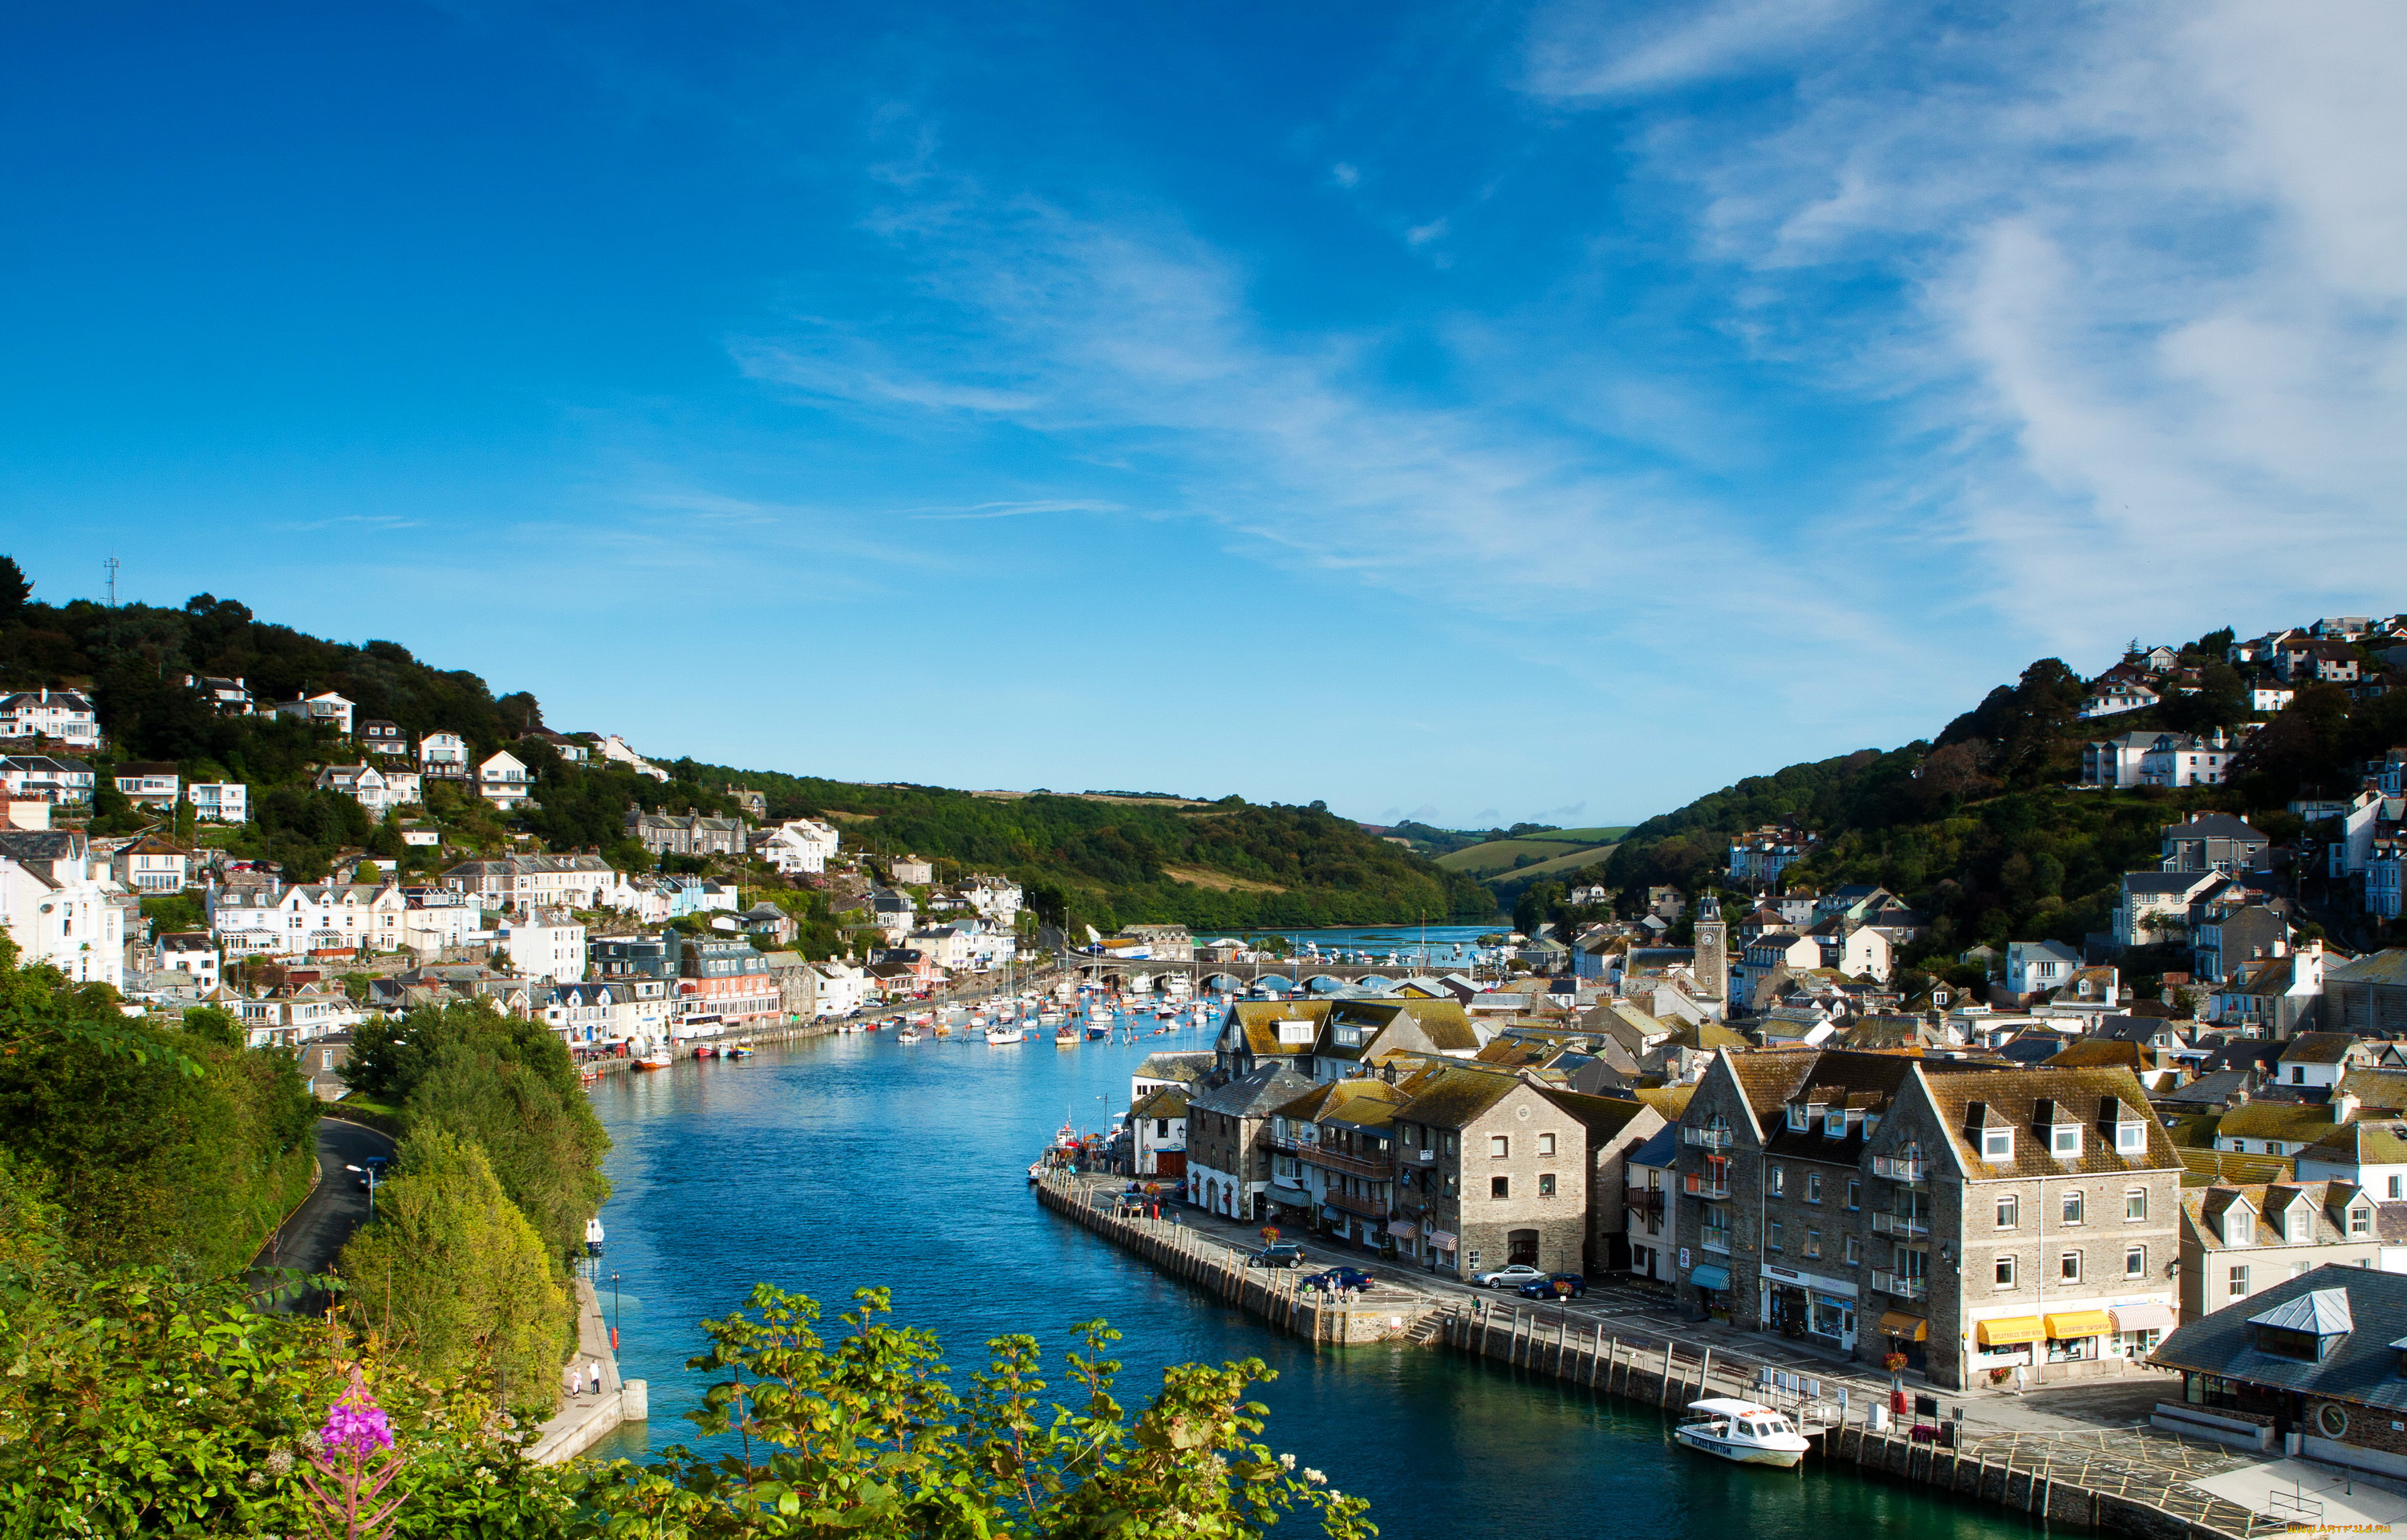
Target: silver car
[(1509, 1276)]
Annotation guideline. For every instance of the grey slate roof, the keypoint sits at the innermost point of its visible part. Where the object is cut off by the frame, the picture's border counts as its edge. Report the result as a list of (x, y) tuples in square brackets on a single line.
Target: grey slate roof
[(1253, 1096), (2363, 1367), (2322, 1312), (2374, 968)]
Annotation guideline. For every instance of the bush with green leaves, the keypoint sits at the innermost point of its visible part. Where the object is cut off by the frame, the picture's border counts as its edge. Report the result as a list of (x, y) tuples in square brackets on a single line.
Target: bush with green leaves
[(507, 1085), (866, 1437), (452, 1278)]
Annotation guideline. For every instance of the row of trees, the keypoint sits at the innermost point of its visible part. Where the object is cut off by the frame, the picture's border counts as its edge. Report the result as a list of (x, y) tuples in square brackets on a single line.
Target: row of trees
[(163, 1147)]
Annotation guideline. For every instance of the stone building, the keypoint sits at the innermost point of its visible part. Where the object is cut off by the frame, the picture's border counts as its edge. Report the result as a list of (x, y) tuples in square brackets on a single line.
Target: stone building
[(687, 834), (1228, 1144), (1489, 1171), (1614, 1127), (1969, 1218)]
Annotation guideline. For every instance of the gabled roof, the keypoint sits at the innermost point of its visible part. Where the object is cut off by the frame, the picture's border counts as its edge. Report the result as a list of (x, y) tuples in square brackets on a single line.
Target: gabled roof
[(1455, 1096), (1252, 1095), (2319, 1048), (2293, 1122), (2089, 1097), (2368, 1142), (2387, 966)]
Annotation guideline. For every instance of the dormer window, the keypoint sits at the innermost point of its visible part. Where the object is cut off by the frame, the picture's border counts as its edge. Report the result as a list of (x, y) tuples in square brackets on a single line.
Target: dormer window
[(2238, 1227), (2131, 1138), (1997, 1145), (2294, 1225), (1797, 1117), (1835, 1125), (2064, 1138), (2360, 1220)]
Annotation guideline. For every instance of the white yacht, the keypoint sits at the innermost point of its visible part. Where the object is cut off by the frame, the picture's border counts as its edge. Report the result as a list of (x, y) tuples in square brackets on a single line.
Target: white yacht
[(999, 1036), (1747, 1431)]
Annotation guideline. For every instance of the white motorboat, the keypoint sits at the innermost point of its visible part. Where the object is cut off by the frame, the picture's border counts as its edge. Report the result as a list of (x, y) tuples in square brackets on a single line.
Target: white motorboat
[(1746, 1431), (913, 1035), (999, 1036)]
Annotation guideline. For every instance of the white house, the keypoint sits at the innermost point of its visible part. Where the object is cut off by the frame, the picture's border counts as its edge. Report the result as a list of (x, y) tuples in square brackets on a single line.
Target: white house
[(546, 943), (1159, 1124), (55, 906), (615, 751), (190, 952), (378, 791), (2269, 697), (2184, 759), (327, 711), (218, 801), (2371, 1154), (63, 716), (153, 785), (439, 921), (2156, 905), (2112, 698), (997, 898), (443, 755), (297, 1019), (799, 845), (307, 918), (503, 780), (844, 987), (2035, 967), (47, 778), (154, 864)]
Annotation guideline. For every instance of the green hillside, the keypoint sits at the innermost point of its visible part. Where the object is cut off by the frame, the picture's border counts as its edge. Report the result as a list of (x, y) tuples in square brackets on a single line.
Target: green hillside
[(1520, 855), (1106, 861), (1983, 830)]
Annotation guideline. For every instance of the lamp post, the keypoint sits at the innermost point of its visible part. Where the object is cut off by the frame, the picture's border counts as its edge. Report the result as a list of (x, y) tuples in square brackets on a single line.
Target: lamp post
[(614, 1312), (369, 1171)]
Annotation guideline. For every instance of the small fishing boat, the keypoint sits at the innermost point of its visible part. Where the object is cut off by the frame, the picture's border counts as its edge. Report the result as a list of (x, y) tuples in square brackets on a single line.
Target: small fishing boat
[(1744, 1432), (739, 1051), (657, 1059), (706, 1050), (999, 1036), (1099, 1030), (912, 1034), (1065, 1037)]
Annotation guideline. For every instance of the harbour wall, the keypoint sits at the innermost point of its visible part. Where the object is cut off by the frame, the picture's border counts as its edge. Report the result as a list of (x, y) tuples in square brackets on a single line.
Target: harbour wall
[(1666, 1374)]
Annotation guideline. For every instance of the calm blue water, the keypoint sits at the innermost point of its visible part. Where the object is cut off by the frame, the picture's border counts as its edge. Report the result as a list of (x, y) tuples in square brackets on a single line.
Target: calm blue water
[(847, 1161)]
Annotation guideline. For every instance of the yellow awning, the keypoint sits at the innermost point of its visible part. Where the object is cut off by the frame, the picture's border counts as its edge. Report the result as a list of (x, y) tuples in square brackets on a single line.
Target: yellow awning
[(2081, 1324), (2006, 1332), (1898, 1323)]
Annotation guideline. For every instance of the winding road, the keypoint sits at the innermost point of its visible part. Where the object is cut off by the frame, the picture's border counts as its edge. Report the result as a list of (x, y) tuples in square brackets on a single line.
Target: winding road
[(312, 1235)]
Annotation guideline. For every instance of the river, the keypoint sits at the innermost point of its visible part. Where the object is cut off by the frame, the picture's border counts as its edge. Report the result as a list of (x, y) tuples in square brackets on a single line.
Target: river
[(828, 1164)]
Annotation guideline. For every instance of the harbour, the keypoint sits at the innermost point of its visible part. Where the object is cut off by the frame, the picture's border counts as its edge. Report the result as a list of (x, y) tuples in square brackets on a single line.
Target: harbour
[(843, 1161)]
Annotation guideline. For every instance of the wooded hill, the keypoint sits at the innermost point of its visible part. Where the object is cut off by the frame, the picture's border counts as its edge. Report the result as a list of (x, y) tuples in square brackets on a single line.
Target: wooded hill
[(1100, 860), (1982, 828)]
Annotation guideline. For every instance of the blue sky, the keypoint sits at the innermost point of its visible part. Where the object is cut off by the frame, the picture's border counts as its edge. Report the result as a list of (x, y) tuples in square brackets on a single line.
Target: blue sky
[(1466, 412)]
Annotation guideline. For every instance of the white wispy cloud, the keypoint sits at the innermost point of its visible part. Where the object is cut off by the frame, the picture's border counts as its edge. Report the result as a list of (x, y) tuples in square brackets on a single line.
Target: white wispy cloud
[(2138, 282), (1014, 510)]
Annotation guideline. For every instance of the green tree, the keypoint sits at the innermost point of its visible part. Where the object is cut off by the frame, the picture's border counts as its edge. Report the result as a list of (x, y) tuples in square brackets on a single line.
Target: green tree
[(452, 1278), (865, 1437), (15, 588)]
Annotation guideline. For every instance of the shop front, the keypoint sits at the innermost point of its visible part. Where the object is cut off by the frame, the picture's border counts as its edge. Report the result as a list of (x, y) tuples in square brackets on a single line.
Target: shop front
[(1807, 1305), (1907, 1336), (1713, 1287)]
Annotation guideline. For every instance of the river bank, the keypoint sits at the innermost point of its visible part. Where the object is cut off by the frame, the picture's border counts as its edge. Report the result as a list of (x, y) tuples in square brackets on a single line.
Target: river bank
[(839, 1162)]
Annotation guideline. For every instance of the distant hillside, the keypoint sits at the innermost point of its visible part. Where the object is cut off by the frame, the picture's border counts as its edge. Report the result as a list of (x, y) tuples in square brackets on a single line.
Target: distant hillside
[(1558, 849), (1983, 828), (1099, 857)]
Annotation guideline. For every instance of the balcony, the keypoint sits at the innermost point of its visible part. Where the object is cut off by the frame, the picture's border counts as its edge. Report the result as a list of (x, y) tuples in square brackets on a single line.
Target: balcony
[(1643, 1200), (1897, 1168), (1706, 1139), (1335, 1160), (1902, 1285), (1368, 1208), (1904, 1226), (1705, 1186)]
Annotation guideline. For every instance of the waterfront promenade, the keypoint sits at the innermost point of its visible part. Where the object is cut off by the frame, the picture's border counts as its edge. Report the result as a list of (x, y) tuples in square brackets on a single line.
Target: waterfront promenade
[(584, 1419), (2083, 1453)]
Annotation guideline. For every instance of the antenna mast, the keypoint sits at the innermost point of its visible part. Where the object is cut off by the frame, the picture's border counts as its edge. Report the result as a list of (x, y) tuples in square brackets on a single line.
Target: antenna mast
[(112, 565)]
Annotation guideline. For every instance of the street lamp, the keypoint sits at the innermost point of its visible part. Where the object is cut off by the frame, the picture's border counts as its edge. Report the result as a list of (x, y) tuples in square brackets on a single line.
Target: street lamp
[(369, 1171), (614, 1312)]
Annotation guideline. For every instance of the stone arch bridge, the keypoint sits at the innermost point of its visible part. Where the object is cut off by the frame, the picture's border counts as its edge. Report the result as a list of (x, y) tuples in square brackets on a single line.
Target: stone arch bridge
[(1310, 976)]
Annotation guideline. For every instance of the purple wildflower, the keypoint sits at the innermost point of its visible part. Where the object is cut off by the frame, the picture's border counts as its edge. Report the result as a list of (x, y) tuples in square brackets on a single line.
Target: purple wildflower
[(356, 1423), (348, 1495)]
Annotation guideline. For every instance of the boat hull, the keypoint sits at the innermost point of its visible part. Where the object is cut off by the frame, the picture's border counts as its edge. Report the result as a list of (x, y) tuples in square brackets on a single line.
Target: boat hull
[(1738, 1453)]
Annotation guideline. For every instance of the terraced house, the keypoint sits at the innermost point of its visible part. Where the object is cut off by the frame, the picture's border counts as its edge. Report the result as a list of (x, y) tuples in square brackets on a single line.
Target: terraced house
[(1489, 1170), (1973, 1220)]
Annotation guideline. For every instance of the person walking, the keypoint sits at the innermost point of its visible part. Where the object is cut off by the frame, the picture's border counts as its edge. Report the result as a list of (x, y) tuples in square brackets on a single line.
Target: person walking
[(576, 1380), (594, 1368)]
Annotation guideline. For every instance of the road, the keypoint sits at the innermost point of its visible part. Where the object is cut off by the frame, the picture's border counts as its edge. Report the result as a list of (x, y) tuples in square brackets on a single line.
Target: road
[(1646, 1313), (313, 1234)]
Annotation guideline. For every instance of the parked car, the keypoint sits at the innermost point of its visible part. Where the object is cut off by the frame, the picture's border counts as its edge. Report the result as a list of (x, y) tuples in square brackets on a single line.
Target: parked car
[(1509, 1276), (1544, 1288), (1336, 1278), (1278, 1253)]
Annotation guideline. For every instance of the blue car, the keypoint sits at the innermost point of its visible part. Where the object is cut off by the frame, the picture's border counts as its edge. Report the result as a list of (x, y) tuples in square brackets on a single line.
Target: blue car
[(1572, 1285), (1336, 1278)]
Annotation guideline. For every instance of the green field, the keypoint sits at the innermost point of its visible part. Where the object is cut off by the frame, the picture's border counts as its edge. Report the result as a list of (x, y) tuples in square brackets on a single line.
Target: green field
[(1557, 850)]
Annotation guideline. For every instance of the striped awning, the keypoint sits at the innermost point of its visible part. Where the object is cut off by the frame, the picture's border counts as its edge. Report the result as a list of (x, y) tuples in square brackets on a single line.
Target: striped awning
[(1898, 1323), (2143, 1317), (1441, 1239), (2010, 1330), (1404, 1228), (2076, 1323), (1710, 1275)]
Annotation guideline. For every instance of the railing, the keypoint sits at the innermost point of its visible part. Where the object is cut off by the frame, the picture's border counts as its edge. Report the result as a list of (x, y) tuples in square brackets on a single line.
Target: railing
[(1897, 1168), (1704, 1187), (1905, 1227), (1902, 1285), (1643, 1200), (1354, 1166), (1367, 1207), (1706, 1139)]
